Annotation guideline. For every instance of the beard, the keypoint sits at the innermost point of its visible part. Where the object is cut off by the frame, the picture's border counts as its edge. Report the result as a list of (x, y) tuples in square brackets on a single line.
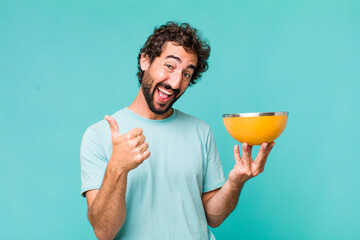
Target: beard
[(149, 91)]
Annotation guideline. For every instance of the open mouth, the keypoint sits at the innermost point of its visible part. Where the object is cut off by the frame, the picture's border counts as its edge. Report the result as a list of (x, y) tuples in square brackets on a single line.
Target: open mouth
[(164, 94)]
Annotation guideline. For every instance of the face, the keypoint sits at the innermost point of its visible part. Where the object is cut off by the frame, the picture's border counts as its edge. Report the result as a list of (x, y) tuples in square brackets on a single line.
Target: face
[(167, 77)]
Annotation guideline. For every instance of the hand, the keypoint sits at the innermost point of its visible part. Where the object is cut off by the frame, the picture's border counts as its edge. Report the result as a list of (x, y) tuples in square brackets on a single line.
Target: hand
[(245, 168), (129, 150)]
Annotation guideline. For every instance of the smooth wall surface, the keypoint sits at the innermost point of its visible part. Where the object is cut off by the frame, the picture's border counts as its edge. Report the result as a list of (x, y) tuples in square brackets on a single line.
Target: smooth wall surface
[(65, 64)]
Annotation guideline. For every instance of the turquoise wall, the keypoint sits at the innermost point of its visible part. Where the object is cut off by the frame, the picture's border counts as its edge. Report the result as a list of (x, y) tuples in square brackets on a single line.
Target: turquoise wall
[(65, 64)]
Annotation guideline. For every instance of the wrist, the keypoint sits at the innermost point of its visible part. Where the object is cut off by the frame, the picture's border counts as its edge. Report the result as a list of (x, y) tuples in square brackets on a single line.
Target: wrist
[(116, 169), (236, 180), (117, 164), (236, 186)]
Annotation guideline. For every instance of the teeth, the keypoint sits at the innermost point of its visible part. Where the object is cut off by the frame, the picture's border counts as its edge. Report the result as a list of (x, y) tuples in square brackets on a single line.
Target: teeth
[(164, 91)]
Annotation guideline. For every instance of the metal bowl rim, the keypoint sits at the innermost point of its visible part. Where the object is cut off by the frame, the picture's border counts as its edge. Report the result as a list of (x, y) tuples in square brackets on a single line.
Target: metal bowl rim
[(257, 114)]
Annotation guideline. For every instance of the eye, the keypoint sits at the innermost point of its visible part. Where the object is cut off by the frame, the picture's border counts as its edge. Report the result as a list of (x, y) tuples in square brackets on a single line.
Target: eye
[(187, 76), (169, 66)]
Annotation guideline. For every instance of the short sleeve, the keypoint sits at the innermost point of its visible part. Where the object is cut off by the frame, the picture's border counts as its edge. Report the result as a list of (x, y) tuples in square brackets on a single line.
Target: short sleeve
[(214, 174), (93, 161)]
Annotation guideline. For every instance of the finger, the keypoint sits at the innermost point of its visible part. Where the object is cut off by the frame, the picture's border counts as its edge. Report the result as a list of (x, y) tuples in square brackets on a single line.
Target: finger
[(143, 147), (237, 154), (137, 141), (271, 145), (133, 133), (113, 124), (262, 167), (261, 155), (268, 149), (140, 139), (146, 154), (246, 156)]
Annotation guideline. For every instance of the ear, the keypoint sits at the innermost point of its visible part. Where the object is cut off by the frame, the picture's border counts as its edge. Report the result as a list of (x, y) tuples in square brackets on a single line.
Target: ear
[(144, 62)]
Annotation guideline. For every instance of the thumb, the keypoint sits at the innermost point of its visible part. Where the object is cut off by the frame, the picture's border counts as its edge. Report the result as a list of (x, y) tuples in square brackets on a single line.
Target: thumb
[(113, 124)]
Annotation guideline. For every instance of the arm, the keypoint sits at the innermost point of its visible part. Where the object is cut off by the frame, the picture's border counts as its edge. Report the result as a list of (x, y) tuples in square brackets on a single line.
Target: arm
[(107, 207), (218, 204)]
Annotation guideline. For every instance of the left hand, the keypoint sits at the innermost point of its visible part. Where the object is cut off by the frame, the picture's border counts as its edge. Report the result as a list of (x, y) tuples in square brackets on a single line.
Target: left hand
[(245, 168)]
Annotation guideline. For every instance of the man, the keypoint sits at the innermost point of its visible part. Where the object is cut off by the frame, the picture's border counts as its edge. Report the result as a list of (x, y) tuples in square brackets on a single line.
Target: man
[(179, 188)]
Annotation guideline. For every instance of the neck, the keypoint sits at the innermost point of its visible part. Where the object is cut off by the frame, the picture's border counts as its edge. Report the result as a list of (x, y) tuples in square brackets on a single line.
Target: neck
[(140, 107)]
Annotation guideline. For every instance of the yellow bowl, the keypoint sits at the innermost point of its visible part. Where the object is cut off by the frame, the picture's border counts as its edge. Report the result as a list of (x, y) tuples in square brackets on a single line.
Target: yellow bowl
[(255, 128)]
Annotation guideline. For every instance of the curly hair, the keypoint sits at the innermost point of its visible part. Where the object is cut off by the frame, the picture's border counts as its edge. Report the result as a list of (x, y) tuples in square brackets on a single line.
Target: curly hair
[(182, 34)]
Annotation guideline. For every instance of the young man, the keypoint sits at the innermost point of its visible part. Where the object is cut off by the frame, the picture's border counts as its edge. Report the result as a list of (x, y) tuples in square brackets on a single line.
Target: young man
[(170, 185)]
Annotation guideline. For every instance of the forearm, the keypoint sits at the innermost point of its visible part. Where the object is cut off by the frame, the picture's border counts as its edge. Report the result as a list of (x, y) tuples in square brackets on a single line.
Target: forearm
[(108, 211), (219, 206)]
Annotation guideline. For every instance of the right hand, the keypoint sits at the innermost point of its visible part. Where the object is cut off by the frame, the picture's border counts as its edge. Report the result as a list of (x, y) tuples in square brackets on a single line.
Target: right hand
[(129, 150)]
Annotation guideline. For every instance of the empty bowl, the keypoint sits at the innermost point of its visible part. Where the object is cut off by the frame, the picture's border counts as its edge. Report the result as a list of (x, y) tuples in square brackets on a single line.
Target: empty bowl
[(255, 128)]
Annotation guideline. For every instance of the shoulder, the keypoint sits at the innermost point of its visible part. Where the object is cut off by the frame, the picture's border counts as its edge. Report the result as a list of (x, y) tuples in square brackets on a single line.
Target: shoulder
[(98, 129), (193, 122), (187, 117)]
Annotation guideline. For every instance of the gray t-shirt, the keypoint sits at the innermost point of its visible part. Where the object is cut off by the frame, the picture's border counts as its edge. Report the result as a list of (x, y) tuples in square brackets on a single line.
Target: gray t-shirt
[(163, 195)]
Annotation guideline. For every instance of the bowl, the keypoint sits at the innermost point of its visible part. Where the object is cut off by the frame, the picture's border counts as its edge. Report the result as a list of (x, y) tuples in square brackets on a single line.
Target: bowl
[(255, 128)]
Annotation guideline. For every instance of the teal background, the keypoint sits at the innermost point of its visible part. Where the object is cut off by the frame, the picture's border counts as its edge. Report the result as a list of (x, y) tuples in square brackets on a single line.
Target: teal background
[(65, 64)]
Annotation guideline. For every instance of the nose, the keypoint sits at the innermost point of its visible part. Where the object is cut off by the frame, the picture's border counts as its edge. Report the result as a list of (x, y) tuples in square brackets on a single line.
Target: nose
[(175, 80)]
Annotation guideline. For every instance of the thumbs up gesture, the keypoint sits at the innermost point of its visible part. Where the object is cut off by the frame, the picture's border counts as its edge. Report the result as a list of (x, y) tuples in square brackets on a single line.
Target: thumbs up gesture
[(129, 150)]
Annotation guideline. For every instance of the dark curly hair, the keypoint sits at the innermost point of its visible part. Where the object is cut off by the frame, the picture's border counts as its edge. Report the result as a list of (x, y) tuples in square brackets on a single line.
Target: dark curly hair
[(182, 34)]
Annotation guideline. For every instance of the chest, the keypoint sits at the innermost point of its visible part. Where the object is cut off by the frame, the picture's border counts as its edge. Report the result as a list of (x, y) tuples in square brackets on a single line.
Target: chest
[(177, 160)]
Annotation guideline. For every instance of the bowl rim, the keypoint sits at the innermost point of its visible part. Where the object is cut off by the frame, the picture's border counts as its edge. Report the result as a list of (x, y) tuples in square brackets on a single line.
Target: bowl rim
[(256, 114)]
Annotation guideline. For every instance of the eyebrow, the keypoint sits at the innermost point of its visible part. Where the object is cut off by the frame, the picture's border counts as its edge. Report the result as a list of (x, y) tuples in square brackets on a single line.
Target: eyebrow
[(179, 60)]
